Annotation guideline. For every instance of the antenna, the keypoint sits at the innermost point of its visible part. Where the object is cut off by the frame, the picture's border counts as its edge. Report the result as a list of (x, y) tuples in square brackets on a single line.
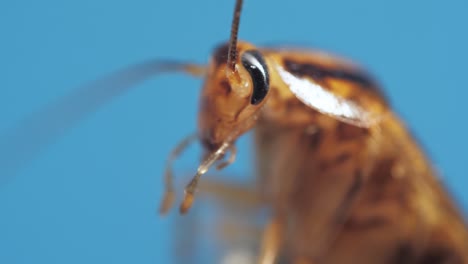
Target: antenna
[(232, 54)]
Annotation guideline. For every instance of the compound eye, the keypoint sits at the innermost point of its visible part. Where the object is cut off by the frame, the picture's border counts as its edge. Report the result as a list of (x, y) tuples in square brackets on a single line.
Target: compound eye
[(254, 63)]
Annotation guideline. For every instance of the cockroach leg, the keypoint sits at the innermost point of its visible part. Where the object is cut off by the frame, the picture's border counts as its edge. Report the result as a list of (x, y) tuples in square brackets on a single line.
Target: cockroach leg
[(239, 195), (168, 199), (239, 205), (271, 242), (202, 169), (232, 157)]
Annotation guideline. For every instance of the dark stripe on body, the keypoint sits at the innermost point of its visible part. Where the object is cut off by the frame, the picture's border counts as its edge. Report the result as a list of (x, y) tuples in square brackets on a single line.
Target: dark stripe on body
[(220, 54), (440, 255), (314, 138), (404, 254), (365, 224), (319, 72), (347, 132), (349, 198)]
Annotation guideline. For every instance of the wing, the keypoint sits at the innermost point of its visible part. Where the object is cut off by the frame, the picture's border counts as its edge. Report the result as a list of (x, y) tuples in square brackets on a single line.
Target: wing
[(330, 85), (379, 203), (439, 232), (25, 141), (401, 212)]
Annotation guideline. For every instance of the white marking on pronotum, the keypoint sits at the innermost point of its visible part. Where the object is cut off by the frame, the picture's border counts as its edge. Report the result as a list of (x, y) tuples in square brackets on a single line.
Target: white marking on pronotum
[(315, 96)]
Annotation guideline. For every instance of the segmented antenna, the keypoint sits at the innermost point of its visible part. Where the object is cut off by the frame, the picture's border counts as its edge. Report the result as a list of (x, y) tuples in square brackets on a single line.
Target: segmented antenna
[(232, 54)]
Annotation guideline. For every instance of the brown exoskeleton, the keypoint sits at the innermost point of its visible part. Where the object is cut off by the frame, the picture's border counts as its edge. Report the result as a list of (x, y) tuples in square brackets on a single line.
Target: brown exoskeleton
[(344, 179)]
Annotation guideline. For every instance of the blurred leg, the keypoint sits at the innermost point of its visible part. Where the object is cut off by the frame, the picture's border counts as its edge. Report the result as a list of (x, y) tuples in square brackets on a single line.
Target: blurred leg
[(271, 242)]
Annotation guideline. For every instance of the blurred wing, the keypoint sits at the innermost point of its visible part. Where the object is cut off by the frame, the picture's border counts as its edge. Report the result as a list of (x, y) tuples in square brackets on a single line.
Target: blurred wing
[(439, 233), (24, 142), (330, 85), (225, 226), (403, 214)]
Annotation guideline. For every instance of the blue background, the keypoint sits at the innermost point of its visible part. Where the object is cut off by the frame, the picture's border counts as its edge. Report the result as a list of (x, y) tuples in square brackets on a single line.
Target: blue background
[(91, 197)]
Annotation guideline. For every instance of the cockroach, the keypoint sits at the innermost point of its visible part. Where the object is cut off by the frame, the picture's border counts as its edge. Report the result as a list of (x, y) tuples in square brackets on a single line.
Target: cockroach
[(343, 178)]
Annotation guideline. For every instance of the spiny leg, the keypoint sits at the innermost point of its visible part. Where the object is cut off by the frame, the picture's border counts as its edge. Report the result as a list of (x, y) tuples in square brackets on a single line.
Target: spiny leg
[(271, 242), (232, 157), (202, 169), (190, 189), (168, 198)]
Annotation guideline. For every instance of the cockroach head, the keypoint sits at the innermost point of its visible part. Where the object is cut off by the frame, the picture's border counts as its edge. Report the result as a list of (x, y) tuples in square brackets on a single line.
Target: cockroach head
[(232, 97)]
